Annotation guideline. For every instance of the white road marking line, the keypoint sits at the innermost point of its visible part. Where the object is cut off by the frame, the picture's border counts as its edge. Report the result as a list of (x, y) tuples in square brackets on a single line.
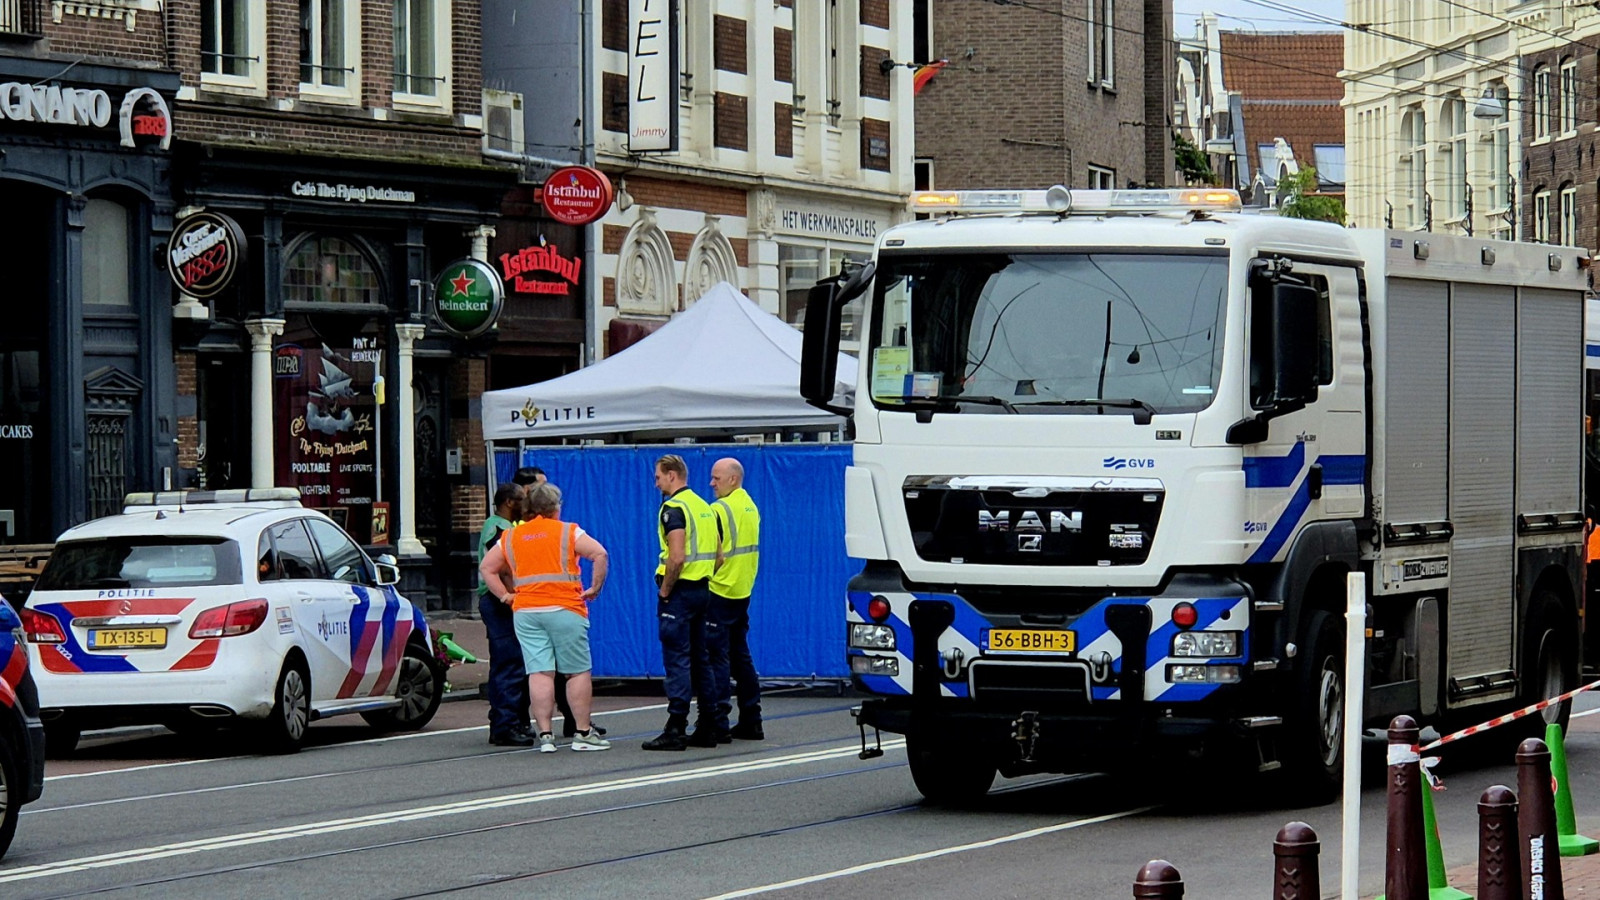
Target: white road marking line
[(1587, 712), (930, 854), (598, 714), (413, 814)]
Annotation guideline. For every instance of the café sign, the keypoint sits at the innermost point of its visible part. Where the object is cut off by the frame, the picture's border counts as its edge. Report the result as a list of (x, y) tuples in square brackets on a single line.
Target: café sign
[(143, 112), (204, 254), (467, 297)]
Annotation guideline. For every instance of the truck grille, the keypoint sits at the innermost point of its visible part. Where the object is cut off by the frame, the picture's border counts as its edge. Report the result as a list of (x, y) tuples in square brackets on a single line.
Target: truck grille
[(1033, 522)]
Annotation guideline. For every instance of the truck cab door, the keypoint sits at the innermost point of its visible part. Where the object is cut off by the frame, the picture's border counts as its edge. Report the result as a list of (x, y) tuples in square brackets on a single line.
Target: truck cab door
[(1310, 463)]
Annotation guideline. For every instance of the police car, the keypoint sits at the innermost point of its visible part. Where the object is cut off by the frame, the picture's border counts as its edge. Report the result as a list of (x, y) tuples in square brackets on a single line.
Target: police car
[(205, 608), (21, 735)]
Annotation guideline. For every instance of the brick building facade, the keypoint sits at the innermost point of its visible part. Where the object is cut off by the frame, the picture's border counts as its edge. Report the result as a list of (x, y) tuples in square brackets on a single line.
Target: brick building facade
[(1060, 92), (1557, 124)]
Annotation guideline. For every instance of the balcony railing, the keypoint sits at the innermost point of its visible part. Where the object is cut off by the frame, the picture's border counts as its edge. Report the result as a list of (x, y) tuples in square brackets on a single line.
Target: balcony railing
[(21, 18)]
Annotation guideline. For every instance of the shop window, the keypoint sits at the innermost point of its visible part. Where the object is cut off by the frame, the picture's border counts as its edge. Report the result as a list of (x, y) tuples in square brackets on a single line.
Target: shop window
[(421, 50), (330, 270), (230, 40), (327, 51), (106, 275)]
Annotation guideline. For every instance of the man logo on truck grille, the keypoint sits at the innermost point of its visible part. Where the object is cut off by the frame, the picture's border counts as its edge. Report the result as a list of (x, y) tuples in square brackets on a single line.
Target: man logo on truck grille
[(1029, 522)]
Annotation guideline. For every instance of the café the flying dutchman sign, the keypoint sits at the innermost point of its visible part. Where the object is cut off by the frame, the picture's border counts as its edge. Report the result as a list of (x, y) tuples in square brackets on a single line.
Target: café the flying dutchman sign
[(467, 296), (204, 254)]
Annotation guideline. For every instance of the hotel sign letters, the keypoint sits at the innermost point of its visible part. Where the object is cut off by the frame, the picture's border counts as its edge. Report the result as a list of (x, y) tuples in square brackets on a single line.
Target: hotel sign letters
[(652, 75)]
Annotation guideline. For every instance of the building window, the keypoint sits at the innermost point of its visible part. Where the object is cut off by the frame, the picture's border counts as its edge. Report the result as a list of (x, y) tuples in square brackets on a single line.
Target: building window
[(1569, 215), (330, 270), (841, 59), (1541, 215), (1541, 102), (1100, 23), (1413, 165), (421, 49), (324, 43), (1102, 178), (1329, 162), (106, 275), (801, 266), (922, 30), (1454, 156), (225, 38), (1569, 96)]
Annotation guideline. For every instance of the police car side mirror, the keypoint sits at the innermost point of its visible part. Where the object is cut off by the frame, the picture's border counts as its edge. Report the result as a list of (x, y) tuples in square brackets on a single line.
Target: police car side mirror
[(387, 573)]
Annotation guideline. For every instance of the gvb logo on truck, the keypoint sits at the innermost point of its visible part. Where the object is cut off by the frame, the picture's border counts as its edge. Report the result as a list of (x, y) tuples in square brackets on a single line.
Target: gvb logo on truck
[(1124, 462)]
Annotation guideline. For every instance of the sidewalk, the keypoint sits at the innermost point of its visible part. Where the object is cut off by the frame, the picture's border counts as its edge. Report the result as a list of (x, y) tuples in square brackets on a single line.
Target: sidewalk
[(464, 680), (1580, 875)]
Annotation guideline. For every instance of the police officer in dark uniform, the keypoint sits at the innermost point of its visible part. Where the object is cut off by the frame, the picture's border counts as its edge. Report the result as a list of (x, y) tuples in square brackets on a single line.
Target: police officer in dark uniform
[(687, 529)]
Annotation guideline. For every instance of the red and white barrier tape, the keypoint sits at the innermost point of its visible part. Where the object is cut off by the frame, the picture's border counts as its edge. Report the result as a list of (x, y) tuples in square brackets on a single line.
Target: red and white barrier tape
[(1508, 717)]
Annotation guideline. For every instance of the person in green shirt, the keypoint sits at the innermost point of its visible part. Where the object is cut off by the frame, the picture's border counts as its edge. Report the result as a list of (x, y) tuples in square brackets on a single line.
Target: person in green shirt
[(507, 686)]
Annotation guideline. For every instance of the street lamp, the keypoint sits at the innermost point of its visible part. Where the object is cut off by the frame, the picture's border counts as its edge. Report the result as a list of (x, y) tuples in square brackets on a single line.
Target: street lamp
[(1489, 106)]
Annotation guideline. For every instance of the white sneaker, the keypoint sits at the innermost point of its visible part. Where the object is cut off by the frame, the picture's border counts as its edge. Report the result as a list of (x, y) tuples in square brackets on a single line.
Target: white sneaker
[(590, 741), (547, 743)]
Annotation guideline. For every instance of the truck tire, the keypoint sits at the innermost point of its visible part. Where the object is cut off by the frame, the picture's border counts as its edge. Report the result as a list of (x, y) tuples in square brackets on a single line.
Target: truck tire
[(1551, 655), (419, 687), (947, 773), (11, 791), (285, 727), (1313, 747)]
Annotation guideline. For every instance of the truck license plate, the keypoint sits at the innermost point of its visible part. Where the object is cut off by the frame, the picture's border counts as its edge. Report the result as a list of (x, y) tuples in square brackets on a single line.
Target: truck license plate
[(1029, 640), (127, 638)]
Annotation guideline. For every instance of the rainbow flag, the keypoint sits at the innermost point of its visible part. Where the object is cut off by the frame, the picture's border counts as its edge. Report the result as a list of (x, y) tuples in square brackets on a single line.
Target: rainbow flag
[(924, 74)]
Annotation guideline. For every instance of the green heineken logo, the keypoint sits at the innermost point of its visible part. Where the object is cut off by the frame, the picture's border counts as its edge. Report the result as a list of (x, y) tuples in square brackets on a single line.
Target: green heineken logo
[(467, 295)]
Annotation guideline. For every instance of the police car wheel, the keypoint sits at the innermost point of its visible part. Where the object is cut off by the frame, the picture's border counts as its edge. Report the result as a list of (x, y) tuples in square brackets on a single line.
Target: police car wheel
[(948, 773), (1313, 751), (419, 688), (285, 727), (10, 795)]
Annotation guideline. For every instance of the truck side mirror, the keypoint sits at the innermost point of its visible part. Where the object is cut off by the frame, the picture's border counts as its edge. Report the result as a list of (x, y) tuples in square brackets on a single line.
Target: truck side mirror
[(1295, 352), (819, 352)]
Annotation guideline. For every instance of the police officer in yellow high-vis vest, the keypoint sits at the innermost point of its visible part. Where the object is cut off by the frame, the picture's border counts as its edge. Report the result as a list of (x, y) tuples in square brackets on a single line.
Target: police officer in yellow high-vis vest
[(738, 558), (689, 637)]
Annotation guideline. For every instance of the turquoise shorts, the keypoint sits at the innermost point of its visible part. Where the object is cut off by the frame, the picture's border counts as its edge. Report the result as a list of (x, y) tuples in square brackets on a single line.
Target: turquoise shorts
[(555, 640)]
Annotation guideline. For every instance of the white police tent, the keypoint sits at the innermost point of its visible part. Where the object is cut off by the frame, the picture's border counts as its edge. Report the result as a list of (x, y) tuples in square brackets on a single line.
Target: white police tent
[(723, 366)]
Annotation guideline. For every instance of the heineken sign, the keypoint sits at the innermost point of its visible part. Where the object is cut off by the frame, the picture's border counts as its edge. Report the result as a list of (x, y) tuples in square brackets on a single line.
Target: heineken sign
[(467, 296)]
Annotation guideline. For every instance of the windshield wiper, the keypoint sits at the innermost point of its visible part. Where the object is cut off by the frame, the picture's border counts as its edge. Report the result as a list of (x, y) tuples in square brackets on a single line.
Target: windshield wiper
[(926, 406), (1001, 402), (1141, 417)]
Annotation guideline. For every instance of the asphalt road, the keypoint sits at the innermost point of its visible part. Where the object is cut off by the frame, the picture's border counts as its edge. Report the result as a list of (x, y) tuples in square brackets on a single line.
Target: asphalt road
[(798, 815)]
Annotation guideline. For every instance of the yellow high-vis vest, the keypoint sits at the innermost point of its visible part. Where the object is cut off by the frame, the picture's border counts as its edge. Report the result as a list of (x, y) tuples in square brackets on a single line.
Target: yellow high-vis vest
[(700, 537), (740, 547)]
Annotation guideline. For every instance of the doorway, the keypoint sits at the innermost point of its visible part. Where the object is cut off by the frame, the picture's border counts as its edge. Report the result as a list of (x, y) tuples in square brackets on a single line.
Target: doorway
[(30, 230)]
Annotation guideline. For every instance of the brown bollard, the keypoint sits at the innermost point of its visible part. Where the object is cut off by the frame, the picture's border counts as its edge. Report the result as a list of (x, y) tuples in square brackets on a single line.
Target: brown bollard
[(1158, 880), (1294, 855), (1405, 871), (1536, 824), (1499, 863)]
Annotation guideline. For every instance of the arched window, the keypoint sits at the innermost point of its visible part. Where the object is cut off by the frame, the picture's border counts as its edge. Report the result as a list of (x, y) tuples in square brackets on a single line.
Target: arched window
[(1413, 166), (1541, 102), (1453, 165), (710, 261), (324, 269), (645, 278)]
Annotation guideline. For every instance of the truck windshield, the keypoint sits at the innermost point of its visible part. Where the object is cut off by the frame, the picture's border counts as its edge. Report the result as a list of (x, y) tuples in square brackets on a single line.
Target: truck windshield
[(1027, 332)]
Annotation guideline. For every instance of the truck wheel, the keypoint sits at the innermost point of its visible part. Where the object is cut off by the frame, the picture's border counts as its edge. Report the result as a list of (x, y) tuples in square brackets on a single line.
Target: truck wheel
[(1551, 660), (10, 794), (948, 774), (285, 727), (1313, 751), (419, 687)]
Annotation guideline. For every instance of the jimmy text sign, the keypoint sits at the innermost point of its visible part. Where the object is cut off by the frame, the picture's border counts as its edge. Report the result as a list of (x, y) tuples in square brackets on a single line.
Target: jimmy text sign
[(205, 253), (577, 195), (467, 297), (652, 75)]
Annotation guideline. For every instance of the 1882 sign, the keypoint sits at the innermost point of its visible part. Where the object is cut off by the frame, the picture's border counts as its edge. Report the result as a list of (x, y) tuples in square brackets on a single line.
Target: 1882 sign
[(205, 253)]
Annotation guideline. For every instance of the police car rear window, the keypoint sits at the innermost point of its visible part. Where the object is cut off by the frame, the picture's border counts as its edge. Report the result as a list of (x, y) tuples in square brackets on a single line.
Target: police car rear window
[(141, 563)]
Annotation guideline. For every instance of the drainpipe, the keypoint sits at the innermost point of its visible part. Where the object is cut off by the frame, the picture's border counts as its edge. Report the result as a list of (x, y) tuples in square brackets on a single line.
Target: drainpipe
[(592, 231)]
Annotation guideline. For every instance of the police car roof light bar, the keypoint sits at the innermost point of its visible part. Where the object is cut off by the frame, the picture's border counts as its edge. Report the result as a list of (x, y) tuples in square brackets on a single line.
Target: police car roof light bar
[(1060, 200), (277, 496)]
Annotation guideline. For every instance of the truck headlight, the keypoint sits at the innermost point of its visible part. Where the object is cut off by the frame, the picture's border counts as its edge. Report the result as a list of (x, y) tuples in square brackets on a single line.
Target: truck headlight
[(1192, 674), (866, 636), (874, 665), (1206, 643)]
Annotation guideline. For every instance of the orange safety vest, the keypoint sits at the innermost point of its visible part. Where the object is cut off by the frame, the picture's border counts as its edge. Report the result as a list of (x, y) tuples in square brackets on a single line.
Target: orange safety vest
[(1594, 543), (543, 554)]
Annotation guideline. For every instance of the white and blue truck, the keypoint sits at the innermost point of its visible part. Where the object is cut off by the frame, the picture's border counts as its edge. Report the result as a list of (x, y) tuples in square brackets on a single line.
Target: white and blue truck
[(1115, 453)]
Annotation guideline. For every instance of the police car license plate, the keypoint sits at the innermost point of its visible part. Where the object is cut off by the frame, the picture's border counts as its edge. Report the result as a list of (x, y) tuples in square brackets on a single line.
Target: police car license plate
[(1029, 640), (127, 638)]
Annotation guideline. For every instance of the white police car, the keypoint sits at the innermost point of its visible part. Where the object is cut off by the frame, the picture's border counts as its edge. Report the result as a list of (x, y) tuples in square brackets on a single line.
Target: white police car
[(205, 608)]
